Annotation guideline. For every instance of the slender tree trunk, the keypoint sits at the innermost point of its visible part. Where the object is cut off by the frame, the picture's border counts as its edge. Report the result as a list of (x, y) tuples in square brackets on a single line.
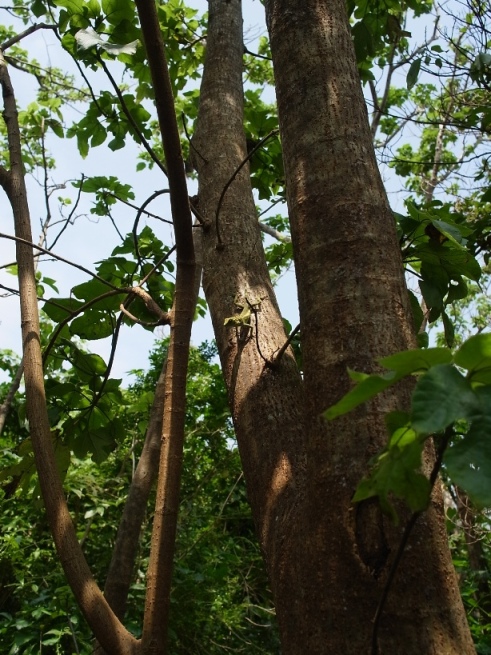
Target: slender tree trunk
[(111, 633), (353, 309), (159, 574)]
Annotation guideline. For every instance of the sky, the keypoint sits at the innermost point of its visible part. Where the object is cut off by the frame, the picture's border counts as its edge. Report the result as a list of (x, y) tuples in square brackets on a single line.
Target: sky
[(91, 238)]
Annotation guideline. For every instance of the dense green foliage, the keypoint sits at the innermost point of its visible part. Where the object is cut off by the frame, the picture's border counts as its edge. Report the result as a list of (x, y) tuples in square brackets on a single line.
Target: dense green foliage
[(220, 594)]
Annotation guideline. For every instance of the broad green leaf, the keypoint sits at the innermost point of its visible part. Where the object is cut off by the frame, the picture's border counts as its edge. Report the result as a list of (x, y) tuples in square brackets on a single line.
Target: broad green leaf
[(402, 435), (98, 136), (118, 10), (457, 290), (452, 232), (61, 308), (365, 390), (468, 462), (73, 6), (87, 365), (433, 296), (395, 420), (449, 329), (413, 73), (92, 289), (416, 311), (413, 361), (475, 356), (93, 325), (396, 472), (442, 396), (400, 365)]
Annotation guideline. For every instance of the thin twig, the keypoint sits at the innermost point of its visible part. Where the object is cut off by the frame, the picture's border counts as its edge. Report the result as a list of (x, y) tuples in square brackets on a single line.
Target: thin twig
[(236, 172), (68, 220), (283, 348), (130, 118), (150, 199), (18, 37), (59, 258)]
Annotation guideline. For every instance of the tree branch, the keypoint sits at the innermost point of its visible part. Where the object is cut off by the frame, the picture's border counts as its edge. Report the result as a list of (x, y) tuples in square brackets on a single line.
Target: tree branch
[(157, 601), (95, 608)]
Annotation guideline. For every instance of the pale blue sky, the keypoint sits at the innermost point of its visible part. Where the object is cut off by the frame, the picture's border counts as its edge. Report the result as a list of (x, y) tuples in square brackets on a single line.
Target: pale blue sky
[(91, 239)]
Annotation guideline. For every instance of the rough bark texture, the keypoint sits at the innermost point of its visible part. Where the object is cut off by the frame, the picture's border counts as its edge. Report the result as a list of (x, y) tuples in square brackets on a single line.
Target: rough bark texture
[(353, 309), (266, 402)]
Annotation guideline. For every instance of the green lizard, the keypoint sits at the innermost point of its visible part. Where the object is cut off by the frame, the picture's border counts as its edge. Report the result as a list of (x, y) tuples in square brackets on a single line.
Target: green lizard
[(247, 305)]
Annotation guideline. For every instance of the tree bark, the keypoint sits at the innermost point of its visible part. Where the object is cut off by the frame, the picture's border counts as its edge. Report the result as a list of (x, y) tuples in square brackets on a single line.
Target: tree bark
[(265, 399), (353, 308), (107, 628), (159, 574)]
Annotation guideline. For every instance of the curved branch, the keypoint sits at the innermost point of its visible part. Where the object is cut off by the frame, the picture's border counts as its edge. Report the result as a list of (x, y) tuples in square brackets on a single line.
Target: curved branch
[(232, 178), (18, 37), (95, 608), (31, 245)]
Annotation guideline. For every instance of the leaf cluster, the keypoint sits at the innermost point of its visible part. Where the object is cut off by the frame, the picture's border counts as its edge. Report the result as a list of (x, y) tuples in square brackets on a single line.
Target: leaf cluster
[(451, 402)]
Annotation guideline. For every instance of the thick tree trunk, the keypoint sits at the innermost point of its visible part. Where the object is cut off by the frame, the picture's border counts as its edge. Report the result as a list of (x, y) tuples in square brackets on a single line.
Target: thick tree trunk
[(265, 400), (353, 309)]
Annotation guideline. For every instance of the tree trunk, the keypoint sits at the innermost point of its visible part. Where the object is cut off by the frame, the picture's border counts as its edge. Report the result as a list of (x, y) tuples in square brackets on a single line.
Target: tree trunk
[(327, 560), (265, 397), (353, 308)]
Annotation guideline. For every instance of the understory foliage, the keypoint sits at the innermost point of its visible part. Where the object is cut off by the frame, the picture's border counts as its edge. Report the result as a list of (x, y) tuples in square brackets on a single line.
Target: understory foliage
[(431, 129), (220, 593)]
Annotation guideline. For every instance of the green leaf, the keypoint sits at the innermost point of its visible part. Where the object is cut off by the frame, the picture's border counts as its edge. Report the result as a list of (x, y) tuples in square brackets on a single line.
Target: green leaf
[(413, 361), (432, 294), (448, 329), (87, 365), (364, 390), (73, 6), (395, 420), (93, 325), (61, 308), (413, 73), (457, 290), (475, 356), (98, 136), (92, 289), (118, 10), (442, 396), (400, 365), (396, 472), (416, 310), (468, 462)]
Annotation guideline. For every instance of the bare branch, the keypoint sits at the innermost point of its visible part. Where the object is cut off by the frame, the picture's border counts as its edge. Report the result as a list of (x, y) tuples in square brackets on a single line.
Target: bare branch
[(18, 37)]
